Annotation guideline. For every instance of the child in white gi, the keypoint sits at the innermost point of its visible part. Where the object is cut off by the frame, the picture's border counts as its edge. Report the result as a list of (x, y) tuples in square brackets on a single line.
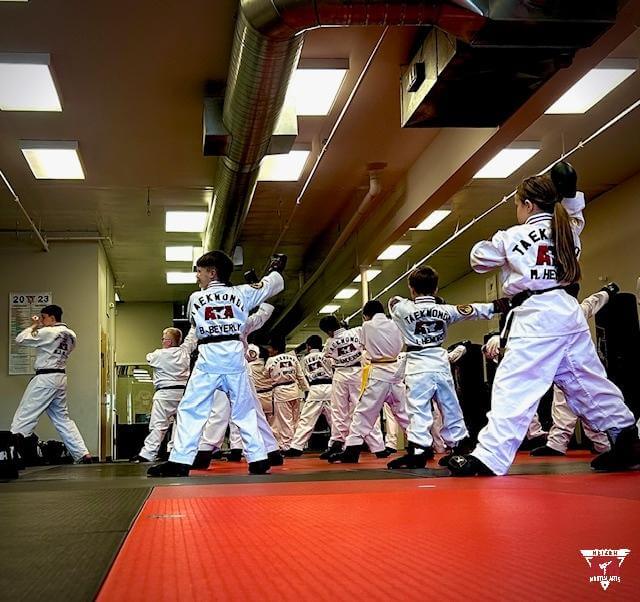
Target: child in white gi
[(318, 373), (289, 386), (170, 366), (423, 324), (548, 340), (47, 391), (218, 314)]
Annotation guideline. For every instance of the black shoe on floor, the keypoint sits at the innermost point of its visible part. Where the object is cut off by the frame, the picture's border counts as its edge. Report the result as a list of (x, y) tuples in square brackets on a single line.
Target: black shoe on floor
[(216, 455), (138, 459), (202, 460), (350, 455), (468, 466), (545, 450), (86, 460), (385, 453), (259, 467), (292, 452), (169, 469), (624, 454), (336, 448), (462, 447), (529, 444), (416, 457), (275, 458), (234, 455)]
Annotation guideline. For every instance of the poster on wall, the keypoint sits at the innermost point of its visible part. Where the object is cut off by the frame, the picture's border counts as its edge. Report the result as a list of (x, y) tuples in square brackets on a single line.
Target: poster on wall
[(21, 307)]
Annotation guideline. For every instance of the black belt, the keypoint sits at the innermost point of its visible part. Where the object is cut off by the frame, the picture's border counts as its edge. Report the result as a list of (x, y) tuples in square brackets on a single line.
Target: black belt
[(321, 381), (264, 390), (416, 348), (219, 339), (171, 388), (285, 384), (51, 371)]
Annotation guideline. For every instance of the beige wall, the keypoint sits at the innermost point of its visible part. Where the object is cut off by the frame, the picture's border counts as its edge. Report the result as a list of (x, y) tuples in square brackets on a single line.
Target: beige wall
[(70, 272), (139, 329), (610, 251)]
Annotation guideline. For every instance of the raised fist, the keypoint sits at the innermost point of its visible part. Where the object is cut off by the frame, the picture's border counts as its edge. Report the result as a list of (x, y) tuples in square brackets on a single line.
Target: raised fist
[(612, 289), (565, 179), (278, 263)]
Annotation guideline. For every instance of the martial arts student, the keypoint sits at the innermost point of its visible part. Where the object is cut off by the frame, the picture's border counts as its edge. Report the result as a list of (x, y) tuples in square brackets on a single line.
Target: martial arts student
[(343, 349), (564, 420), (382, 381), (289, 385), (318, 373), (219, 417), (219, 313), (423, 323), (47, 390), (548, 338), (170, 366)]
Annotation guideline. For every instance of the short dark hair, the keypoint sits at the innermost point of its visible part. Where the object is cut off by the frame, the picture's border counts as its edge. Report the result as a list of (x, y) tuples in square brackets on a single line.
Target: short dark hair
[(371, 308), (329, 324), (218, 260), (314, 342), (424, 281), (278, 343), (53, 310)]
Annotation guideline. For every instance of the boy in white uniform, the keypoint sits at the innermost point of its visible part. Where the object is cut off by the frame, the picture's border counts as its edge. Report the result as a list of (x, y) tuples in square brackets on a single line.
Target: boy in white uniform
[(343, 350), (423, 324), (219, 313), (318, 374), (289, 384), (47, 390), (382, 341), (170, 366), (548, 338)]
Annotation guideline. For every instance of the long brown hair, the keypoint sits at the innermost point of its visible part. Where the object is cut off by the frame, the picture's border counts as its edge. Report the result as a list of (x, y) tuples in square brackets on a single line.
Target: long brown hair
[(541, 191)]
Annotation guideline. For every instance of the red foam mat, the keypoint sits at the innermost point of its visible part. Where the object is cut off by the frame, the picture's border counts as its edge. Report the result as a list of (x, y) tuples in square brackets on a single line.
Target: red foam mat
[(510, 538)]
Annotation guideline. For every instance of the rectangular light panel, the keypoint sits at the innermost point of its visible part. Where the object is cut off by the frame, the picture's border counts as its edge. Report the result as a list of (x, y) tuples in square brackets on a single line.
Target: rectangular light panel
[(185, 221), (594, 86), (313, 91), (508, 160), (283, 168), (26, 83), (346, 293), (433, 220), (371, 274), (329, 309), (53, 160), (393, 252), (181, 277), (178, 253)]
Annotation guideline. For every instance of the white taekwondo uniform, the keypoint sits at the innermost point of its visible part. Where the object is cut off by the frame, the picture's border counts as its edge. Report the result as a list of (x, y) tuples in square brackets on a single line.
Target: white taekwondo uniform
[(549, 341), (318, 373), (344, 352), (423, 324), (289, 385), (170, 376), (219, 314), (383, 378), (47, 390), (219, 418)]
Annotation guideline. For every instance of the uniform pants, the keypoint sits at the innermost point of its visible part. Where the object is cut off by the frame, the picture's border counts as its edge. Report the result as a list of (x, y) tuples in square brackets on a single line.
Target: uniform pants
[(535, 428), (216, 427), (530, 366), (564, 423), (421, 388), (266, 402), (438, 442), (285, 416), (165, 406), (48, 393), (195, 407), (366, 414), (391, 427), (311, 410), (345, 393)]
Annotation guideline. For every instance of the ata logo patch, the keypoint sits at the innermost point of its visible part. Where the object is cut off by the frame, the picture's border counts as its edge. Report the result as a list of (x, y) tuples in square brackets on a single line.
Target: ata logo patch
[(465, 310), (257, 285)]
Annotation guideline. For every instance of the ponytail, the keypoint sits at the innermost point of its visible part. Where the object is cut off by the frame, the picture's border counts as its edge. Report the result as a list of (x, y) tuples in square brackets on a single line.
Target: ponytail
[(567, 265)]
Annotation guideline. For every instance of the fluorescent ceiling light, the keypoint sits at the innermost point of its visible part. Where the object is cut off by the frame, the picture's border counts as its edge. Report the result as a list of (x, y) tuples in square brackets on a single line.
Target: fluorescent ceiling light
[(181, 277), (594, 86), (178, 253), (508, 160), (117, 298), (433, 220), (53, 160), (371, 274), (346, 293), (393, 252), (313, 91), (185, 221), (283, 168), (26, 83), (329, 309)]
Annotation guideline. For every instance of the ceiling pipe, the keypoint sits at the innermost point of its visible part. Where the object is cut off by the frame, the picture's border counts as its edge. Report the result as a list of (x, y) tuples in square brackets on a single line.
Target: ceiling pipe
[(266, 47)]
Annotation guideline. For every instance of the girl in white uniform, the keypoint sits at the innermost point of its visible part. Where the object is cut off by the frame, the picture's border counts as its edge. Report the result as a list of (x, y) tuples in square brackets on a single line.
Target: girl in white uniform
[(549, 339)]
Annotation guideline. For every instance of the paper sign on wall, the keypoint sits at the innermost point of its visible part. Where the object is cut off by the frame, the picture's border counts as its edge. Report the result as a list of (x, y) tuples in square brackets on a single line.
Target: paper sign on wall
[(21, 307)]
